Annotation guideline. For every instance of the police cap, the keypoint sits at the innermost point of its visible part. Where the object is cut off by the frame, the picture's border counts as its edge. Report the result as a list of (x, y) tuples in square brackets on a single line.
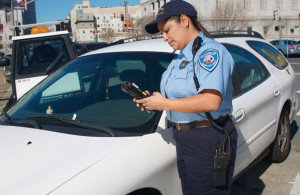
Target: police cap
[(172, 8)]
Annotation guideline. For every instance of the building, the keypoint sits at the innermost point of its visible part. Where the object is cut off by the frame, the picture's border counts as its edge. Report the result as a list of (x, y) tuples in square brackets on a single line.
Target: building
[(257, 15), (85, 26), (20, 17), (109, 24)]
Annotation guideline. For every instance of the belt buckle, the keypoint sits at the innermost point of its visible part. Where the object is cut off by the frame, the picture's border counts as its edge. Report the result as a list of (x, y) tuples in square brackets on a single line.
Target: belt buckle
[(177, 126)]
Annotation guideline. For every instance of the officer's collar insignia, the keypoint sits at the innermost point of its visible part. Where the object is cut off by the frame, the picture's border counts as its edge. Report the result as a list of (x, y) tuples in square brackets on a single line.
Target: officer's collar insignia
[(209, 59), (183, 64)]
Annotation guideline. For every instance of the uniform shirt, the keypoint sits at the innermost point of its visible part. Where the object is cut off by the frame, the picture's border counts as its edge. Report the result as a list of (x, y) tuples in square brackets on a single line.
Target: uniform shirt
[(213, 68)]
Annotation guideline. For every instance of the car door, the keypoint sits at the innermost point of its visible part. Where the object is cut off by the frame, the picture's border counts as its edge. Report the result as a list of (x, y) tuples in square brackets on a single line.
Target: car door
[(253, 105)]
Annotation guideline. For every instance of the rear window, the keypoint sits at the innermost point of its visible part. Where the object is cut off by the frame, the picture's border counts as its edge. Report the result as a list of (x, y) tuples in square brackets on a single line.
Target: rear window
[(35, 56), (290, 42), (270, 53)]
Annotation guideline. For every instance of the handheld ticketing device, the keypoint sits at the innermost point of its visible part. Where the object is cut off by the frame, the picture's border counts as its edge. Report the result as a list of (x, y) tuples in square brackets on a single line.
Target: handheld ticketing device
[(134, 91)]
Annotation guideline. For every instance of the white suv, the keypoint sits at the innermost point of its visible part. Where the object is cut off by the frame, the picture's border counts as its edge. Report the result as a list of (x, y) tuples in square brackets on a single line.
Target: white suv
[(94, 140)]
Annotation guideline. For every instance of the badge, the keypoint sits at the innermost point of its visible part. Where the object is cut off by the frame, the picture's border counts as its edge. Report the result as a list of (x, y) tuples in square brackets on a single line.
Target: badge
[(183, 64), (209, 59)]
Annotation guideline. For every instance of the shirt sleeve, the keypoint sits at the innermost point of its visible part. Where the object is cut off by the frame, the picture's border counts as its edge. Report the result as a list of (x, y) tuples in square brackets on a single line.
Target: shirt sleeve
[(214, 70)]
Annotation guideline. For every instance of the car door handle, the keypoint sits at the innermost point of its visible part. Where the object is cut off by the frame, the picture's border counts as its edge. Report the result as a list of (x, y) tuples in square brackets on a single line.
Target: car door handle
[(276, 91), (239, 115)]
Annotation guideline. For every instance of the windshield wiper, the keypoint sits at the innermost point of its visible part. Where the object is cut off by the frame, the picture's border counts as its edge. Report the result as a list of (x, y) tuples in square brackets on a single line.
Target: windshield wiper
[(54, 62), (26, 123), (75, 123)]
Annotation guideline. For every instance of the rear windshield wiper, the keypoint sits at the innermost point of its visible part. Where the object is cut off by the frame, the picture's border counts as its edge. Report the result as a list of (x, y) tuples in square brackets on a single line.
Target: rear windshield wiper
[(54, 62), (75, 123)]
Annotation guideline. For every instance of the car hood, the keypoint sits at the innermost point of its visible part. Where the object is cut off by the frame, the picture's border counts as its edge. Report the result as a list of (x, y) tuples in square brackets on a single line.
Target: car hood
[(37, 161)]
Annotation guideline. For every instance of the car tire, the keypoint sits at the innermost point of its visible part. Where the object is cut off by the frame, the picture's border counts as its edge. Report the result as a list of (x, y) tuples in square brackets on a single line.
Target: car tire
[(281, 146)]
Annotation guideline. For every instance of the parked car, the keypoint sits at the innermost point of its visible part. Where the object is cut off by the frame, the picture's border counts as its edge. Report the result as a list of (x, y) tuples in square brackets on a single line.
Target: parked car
[(93, 46), (7, 74), (35, 56), (287, 47), (77, 132), (6, 59), (2, 55), (79, 49)]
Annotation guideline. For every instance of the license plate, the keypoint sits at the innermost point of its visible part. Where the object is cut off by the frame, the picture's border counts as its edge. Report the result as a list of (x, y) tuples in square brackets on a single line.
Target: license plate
[(298, 47)]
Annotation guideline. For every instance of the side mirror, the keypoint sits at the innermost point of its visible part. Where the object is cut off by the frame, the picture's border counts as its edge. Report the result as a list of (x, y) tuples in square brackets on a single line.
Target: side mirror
[(4, 61)]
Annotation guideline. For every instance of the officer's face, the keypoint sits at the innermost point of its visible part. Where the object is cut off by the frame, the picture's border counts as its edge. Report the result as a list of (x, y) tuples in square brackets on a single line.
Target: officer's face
[(174, 33)]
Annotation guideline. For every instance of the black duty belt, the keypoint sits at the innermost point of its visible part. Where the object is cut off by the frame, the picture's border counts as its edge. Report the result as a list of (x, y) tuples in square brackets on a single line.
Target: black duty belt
[(198, 124)]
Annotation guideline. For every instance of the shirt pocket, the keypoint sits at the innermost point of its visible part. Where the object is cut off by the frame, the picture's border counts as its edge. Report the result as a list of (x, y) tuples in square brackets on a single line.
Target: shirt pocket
[(181, 74)]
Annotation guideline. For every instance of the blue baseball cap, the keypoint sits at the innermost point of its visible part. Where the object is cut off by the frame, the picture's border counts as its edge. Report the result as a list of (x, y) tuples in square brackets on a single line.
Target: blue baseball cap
[(172, 8)]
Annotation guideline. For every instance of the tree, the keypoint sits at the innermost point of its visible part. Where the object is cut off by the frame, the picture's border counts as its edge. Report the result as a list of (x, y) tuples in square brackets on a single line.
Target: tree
[(142, 23), (231, 16), (108, 35)]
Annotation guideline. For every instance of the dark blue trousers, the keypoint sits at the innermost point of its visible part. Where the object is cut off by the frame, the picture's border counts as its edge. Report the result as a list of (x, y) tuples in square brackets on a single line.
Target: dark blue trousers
[(196, 149)]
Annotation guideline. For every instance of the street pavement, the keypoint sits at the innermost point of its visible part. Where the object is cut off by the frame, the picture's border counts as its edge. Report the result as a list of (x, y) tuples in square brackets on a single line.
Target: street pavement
[(264, 178)]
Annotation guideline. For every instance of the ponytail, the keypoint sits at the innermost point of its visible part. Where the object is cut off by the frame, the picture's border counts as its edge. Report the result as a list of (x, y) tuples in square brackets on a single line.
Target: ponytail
[(195, 23), (198, 25)]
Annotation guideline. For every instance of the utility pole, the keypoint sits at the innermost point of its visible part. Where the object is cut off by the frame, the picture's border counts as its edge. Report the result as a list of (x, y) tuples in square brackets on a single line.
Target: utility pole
[(12, 15), (126, 24)]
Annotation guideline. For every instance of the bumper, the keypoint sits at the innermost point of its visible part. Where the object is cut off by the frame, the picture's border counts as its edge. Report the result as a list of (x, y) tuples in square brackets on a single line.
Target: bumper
[(295, 107)]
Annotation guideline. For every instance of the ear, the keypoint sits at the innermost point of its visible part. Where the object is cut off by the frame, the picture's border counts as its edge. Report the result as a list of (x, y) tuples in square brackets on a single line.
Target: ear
[(184, 20)]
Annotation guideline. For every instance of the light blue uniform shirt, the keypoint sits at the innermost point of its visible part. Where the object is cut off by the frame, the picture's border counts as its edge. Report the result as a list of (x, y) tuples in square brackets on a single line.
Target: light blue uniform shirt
[(213, 68)]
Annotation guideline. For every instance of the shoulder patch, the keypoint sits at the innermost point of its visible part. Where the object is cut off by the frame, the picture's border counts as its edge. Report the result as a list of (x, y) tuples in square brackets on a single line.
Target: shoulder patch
[(209, 59)]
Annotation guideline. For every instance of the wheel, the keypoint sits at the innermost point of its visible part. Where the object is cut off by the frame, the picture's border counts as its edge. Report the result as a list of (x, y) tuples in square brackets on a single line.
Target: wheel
[(281, 146)]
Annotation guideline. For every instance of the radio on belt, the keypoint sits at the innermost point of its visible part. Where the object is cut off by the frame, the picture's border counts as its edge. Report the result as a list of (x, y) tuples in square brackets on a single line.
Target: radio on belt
[(133, 90)]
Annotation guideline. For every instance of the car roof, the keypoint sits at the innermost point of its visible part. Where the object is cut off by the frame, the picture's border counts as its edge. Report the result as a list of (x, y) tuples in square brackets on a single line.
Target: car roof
[(40, 35), (158, 45), (155, 45)]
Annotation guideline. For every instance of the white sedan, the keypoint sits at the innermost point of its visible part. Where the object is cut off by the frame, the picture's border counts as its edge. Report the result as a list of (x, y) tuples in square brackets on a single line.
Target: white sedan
[(77, 132)]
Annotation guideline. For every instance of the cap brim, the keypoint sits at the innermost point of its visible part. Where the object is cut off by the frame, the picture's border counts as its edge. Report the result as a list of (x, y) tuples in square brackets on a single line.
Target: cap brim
[(151, 28)]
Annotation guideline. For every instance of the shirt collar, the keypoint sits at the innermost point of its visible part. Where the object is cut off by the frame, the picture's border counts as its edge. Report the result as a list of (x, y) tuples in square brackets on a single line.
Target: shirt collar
[(187, 51)]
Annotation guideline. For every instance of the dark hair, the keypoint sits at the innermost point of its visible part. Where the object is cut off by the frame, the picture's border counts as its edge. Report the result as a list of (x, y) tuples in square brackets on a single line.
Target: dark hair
[(195, 23)]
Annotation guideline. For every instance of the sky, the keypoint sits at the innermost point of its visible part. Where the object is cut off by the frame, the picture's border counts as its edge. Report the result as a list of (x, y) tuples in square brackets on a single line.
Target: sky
[(53, 10)]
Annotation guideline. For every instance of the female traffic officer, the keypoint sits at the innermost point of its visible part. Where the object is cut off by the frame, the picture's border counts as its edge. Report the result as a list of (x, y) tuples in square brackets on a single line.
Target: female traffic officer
[(197, 141)]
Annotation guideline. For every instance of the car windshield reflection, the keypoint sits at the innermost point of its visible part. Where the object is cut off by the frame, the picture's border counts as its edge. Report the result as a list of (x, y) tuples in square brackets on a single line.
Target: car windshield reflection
[(89, 91)]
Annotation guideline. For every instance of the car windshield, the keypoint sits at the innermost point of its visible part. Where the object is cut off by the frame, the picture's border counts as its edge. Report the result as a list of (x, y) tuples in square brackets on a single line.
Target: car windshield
[(88, 91)]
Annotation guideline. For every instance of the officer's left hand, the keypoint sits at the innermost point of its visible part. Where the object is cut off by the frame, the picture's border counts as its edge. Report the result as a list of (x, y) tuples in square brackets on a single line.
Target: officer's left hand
[(154, 102)]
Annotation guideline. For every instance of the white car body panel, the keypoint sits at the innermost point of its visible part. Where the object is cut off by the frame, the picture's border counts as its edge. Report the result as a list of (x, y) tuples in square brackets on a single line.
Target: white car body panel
[(56, 163), (50, 159), (24, 85), (32, 36), (152, 168), (137, 46)]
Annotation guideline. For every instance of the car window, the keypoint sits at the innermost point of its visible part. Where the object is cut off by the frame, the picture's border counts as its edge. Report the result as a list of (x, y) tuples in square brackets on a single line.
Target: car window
[(35, 56), (248, 70), (68, 84), (270, 53), (90, 89), (276, 43), (290, 42)]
